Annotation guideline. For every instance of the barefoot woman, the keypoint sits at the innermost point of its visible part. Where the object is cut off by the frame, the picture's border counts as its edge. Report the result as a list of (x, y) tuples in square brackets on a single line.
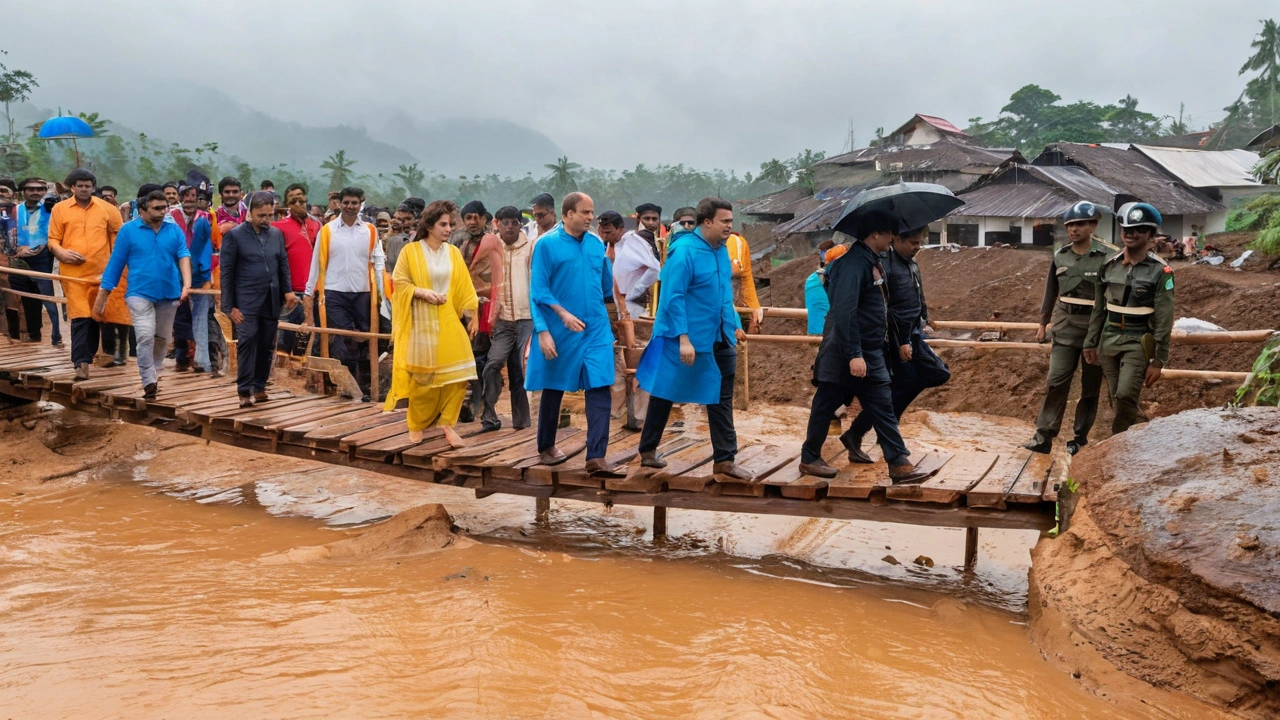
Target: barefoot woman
[(432, 360)]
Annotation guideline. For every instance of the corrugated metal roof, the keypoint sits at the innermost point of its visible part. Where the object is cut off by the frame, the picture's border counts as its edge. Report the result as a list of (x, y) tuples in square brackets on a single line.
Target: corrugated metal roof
[(825, 214), (1267, 138), (1130, 172), (1033, 199), (1205, 168), (782, 202)]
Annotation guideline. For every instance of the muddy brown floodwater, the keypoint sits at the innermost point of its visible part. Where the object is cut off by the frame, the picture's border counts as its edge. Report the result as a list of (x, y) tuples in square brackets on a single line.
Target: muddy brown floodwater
[(145, 575)]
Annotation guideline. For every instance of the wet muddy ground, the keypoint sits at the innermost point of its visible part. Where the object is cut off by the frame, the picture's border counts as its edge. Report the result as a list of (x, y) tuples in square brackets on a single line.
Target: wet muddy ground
[(146, 575)]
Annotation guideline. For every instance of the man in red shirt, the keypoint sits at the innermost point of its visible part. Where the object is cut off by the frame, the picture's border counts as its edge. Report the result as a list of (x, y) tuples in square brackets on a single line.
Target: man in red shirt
[(300, 231)]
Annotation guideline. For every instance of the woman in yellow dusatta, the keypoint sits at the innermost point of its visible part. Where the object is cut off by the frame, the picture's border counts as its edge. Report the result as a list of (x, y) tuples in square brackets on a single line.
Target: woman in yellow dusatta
[(432, 360)]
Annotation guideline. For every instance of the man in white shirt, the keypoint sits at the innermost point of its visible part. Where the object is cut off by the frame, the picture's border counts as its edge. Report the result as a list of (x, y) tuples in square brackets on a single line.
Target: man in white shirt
[(544, 217), (346, 274), (635, 269)]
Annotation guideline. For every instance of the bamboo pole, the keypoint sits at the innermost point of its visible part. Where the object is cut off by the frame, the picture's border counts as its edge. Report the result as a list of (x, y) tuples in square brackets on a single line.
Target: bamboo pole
[(1223, 337), (1177, 374), (35, 296), (983, 325), (47, 276), (335, 331)]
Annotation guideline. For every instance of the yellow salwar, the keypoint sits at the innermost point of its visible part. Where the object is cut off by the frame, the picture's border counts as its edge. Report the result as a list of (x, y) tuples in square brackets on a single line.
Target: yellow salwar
[(432, 360)]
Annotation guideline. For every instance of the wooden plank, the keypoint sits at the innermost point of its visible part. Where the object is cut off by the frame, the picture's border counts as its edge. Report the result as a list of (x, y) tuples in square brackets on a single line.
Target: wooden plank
[(764, 464), (510, 463), (385, 450), (297, 433), (269, 421), (621, 451), (518, 443), (789, 482), (1030, 485), (366, 435), (990, 493), (646, 480), (698, 479), (855, 480), (328, 437), (227, 420), (574, 449), (420, 455), (951, 483), (931, 463), (472, 454)]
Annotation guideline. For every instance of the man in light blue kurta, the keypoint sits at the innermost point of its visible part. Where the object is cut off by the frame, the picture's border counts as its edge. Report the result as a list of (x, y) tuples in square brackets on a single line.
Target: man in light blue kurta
[(570, 279), (692, 357)]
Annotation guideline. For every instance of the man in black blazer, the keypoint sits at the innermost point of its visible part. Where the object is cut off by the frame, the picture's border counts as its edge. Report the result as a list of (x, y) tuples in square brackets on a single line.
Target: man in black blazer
[(255, 273)]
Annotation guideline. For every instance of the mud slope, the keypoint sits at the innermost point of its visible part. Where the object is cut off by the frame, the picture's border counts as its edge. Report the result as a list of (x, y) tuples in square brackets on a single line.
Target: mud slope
[(1171, 569)]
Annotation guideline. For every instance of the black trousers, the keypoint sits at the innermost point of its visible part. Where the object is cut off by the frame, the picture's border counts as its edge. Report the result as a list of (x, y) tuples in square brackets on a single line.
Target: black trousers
[(255, 348), (724, 439), (85, 338), (480, 345), (876, 398), (904, 389), (349, 311), (32, 309), (599, 408)]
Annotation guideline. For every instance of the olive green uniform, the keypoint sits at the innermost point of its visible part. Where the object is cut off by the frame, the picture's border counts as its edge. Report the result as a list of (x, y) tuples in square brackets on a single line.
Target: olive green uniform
[(1132, 301), (1068, 301)]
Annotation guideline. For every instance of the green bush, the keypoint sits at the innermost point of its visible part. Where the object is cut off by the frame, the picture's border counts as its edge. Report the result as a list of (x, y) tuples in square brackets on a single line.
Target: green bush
[(1263, 387), (1238, 220)]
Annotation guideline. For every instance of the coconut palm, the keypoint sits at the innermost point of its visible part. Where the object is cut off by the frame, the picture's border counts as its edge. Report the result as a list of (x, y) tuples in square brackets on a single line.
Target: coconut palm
[(412, 176), (561, 177), (774, 171), (1266, 61), (339, 167)]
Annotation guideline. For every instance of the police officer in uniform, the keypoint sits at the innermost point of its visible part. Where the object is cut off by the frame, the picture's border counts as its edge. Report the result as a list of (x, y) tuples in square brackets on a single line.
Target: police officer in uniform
[(1070, 290), (1132, 318)]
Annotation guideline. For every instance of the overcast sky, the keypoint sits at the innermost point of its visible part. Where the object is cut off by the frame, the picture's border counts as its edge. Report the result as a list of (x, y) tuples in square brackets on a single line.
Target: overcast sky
[(710, 83)]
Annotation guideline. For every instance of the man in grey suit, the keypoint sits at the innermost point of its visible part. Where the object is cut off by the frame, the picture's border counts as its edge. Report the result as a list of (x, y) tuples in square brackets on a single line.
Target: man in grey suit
[(255, 273)]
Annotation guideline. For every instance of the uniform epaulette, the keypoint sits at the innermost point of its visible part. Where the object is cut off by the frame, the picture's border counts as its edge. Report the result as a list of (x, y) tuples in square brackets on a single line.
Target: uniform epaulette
[(1106, 245), (1115, 257)]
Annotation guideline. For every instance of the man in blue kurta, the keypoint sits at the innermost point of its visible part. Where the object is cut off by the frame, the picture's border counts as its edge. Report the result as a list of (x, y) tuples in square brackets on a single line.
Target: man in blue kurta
[(570, 279), (692, 356)]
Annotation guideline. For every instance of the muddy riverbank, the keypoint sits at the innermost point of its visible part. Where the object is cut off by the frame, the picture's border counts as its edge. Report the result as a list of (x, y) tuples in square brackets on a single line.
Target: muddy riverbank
[(147, 575)]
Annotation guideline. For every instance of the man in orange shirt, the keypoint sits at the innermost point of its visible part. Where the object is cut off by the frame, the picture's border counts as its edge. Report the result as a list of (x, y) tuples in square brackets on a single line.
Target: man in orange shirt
[(744, 282), (82, 230)]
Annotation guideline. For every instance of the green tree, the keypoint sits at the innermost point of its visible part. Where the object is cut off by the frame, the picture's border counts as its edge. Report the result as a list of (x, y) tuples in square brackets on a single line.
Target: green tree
[(15, 87), (562, 178), (1129, 124), (339, 167), (775, 171), (411, 178), (98, 124), (801, 166), (1266, 62)]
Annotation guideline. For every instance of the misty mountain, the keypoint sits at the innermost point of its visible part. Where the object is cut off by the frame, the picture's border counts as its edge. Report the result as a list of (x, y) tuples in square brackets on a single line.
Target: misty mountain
[(471, 146)]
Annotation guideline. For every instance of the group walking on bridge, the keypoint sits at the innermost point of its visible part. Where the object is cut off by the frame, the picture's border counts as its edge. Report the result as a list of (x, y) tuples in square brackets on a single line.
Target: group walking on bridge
[(464, 303)]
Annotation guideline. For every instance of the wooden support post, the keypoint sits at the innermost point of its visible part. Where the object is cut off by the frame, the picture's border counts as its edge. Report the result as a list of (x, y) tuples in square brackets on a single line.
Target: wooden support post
[(970, 548), (659, 522), (742, 384), (541, 510)]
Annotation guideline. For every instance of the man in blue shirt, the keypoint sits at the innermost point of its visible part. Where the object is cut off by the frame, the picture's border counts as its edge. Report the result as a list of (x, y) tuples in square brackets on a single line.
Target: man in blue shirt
[(692, 356), (571, 277), (31, 220), (159, 263)]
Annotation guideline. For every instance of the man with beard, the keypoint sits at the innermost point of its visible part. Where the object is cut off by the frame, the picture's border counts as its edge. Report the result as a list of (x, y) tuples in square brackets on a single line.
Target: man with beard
[(191, 323), (635, 266), (512, 324), (482, 252)]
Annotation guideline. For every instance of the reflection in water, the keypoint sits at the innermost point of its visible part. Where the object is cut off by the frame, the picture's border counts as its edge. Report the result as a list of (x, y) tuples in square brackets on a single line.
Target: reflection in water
[(153, 589)]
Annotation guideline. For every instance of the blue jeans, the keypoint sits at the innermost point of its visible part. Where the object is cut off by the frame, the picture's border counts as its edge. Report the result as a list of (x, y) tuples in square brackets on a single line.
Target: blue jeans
[(200, 307), (55, 329)]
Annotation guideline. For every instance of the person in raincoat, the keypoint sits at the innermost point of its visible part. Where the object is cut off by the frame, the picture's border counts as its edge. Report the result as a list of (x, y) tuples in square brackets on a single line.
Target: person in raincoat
[(432, 361), (692, 357), (571, 277)]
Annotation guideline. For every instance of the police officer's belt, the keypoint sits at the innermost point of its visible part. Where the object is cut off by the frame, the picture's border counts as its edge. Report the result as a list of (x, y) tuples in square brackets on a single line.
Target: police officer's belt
[(1075, 305), (1131, 320)]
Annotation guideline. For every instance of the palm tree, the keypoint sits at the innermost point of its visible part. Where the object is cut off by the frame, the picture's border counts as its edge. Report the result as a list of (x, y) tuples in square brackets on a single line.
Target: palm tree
[(99, 124), (774, 171), (1266, 60), (339, 167), (561, 177), (801, 165), (412, 176), (15, 86)]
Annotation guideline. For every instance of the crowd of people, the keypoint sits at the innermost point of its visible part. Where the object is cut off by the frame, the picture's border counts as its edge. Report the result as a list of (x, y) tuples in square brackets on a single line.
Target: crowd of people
[(466, 294)]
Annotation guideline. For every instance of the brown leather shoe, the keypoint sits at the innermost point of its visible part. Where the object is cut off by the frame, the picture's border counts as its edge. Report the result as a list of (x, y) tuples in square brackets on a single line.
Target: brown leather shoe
[(907, 474), (260, 397), (82, 371), (650, 459), (854, 446), (600, 467), (552, 456), (731, 469), (818, 468)]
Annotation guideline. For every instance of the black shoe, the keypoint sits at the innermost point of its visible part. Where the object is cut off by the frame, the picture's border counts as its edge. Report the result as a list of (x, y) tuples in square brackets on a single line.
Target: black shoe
[(907, 474), (1043, 448), (365, 398), (490, 427), (650, 459), (1074, 445), (465, 415), (853, 445), (149, 391)]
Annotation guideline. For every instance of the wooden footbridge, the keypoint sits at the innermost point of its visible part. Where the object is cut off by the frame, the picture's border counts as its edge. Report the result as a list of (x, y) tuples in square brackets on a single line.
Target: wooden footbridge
[(969, 489)]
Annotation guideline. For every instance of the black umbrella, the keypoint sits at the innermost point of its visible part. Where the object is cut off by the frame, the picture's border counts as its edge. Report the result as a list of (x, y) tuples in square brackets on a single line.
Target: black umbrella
[(912, 204)]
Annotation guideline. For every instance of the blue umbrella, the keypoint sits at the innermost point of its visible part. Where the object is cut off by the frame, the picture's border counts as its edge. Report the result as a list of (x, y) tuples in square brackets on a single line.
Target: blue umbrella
[(66, 128)]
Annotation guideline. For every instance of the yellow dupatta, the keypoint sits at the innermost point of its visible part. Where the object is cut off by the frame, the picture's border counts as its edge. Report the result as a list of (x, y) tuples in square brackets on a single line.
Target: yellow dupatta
[(430, 345)]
